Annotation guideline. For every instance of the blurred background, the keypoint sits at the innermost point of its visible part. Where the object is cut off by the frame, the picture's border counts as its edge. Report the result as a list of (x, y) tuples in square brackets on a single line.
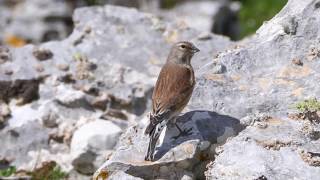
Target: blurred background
[(36, 21)]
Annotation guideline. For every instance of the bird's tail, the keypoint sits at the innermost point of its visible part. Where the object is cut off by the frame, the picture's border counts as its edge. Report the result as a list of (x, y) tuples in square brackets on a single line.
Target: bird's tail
[(151, 125), (154, 136)]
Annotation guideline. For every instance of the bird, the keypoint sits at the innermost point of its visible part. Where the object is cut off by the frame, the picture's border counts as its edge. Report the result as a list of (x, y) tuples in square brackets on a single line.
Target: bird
[(171, 93)]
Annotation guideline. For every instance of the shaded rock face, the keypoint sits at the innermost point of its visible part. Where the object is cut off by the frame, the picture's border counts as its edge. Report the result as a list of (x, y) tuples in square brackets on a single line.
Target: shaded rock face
[(25, 90)]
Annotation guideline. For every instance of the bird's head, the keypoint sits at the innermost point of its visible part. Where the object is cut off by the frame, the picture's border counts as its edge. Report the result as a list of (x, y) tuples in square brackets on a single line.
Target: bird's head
[(182, 52)]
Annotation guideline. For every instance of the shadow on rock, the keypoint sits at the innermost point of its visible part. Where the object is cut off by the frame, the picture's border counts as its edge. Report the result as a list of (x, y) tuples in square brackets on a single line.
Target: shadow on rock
[(207, 126), (183, 158)]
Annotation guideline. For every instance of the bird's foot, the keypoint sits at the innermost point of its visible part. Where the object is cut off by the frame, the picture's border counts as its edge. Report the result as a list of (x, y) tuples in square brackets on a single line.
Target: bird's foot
[(185, 132)]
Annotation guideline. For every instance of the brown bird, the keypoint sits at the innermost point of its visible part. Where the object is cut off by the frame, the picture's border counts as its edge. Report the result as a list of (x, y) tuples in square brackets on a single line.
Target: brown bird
[(171, 93)]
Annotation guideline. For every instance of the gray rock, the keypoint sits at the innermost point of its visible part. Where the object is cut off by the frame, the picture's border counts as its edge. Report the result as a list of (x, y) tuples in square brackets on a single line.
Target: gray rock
[(48, 23), (180, 155), (276, 152), (71, 98), (4, 114), (219, 17), (119, 175), (43, 93), (118, 52), (18, 141), (260, 77), (262, 67), (89, 141), (257, 76)]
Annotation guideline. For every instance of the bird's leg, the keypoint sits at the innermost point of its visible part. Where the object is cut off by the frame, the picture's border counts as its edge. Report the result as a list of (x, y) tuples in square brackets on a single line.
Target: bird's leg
[(185, 132)]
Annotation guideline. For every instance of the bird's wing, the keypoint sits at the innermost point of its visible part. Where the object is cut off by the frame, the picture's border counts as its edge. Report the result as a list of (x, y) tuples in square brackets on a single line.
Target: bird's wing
[(172, 92)]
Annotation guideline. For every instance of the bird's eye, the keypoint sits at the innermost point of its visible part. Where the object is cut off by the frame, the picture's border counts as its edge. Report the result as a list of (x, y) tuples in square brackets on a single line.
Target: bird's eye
[(183, 46)]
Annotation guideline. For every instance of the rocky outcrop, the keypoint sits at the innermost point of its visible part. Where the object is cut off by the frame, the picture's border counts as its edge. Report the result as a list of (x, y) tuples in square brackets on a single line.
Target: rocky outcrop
[(59, 98), (258, 75), (280, 148), (84, 100), (44, 22), (176, 156)]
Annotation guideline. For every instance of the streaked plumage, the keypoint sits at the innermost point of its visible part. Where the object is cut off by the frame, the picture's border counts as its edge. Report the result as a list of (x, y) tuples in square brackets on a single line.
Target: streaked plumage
[(172, 91)]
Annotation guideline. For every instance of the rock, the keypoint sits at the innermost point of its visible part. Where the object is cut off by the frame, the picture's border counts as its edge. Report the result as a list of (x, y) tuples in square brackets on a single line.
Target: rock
[(8, 72), (297, 62), (219, 17), (89, 141), (4, 55), (71, 98), (26, 90), (49, 118), (18, 141), (254, 81), (102, 102), (4, 113), (119, 175), (115, 114), (267, 56), (42, 54), (55, 96), (180, 155), (281, 147), (39, 68), (49, 23), (63, 67)]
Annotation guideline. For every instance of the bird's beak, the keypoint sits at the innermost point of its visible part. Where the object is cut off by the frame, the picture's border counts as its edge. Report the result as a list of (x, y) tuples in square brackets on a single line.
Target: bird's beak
[(195, 50)]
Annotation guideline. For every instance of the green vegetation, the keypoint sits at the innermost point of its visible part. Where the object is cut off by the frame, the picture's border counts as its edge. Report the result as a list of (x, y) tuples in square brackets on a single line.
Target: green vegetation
[(53, 174), (93, 2), (167, 4), (308, 105), (254, 12), (49, 171), (56, 174), (8, 171)]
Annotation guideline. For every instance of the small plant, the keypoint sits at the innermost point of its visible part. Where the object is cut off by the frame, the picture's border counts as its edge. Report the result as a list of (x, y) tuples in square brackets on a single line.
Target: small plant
[(78, 57), (56, 174), (49, 170), (308, 105), (8, 171)]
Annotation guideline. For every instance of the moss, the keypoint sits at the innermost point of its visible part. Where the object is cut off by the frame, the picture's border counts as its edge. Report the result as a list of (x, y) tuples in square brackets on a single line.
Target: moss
[(8, 171), (49, 171), (308, 105), (56, 174)]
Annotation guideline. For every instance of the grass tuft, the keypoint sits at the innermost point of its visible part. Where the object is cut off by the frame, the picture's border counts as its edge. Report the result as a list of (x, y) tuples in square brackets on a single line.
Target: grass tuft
[(308, 105)]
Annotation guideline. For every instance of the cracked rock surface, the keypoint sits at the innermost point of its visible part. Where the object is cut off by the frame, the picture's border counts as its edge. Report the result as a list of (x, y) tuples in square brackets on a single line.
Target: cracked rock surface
[(255, 82), (83, 102), (69, 101)]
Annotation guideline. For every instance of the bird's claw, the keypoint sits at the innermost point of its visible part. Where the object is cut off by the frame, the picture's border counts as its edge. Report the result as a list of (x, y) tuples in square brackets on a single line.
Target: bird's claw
[(185, 132)]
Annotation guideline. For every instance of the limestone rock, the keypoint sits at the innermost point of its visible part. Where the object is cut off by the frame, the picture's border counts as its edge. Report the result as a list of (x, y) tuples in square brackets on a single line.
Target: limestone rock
[(276, 152), (180, 155), (89, 141)]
